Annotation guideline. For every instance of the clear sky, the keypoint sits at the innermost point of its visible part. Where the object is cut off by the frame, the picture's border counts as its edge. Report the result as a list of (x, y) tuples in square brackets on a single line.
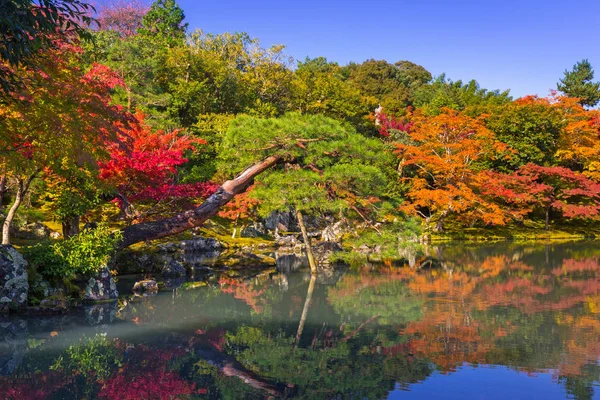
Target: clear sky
[(521, 45)]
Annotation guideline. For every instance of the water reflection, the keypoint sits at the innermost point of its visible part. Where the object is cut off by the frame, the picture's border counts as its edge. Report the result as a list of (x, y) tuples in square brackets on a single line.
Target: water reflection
[(468, 322)]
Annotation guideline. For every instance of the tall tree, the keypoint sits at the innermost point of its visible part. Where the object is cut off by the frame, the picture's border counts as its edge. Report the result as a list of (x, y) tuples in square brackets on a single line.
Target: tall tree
[(122, 16), (579, 83), (531, 126), (439, 164), (143, 167), (445, 93), (391, 85), (569, 193), (61, 120), (164, 23)]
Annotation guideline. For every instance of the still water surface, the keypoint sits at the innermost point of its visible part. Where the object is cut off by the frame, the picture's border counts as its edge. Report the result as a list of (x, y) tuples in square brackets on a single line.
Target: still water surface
[(488, 322)]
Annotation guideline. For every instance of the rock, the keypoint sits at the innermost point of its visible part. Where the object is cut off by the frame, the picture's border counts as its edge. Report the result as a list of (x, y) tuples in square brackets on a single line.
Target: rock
[(101, 287), (201, 244), (323, 252), (14, 287), (201, 258), (334, 232), (173, 269), (54, 305), (146, 286), (281, 221), (287, 241), (55, 235), (32, 231), (257, 229), (168, 247), (137, 262)]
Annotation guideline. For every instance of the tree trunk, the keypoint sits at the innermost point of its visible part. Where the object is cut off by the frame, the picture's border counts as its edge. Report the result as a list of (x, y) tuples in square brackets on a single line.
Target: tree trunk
[(439, 225), (309, 253), (22, 188), (128, 211), (2, 188), (70, 227), (199, 215), (547, 218)]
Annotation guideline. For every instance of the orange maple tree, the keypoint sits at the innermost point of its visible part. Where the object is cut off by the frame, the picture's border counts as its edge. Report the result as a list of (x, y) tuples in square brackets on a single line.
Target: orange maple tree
[(442, 155)]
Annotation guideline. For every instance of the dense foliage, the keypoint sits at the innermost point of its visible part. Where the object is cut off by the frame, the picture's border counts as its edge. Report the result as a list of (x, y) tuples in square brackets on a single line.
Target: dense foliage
[(86, 253), (147, 115)]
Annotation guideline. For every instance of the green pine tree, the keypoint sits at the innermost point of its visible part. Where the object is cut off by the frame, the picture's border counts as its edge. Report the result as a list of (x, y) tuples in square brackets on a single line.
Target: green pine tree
[(578, 83)]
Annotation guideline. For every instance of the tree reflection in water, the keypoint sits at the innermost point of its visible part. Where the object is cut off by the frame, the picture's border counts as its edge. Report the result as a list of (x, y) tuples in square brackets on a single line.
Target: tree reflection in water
[(361, 334)]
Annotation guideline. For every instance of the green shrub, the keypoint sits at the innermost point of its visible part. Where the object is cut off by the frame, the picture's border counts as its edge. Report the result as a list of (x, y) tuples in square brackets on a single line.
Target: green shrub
[(85, 253)]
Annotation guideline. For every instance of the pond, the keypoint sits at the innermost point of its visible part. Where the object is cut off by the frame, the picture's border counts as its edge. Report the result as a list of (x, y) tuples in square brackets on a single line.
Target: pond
[(498, 321)]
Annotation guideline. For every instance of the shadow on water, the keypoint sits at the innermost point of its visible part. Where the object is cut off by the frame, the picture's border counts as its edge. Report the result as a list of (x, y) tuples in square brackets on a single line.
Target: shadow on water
[(497, 321)]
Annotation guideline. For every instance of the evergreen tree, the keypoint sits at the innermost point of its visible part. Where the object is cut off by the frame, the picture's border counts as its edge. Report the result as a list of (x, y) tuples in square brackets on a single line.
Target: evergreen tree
[(578, 83), (164, 21)]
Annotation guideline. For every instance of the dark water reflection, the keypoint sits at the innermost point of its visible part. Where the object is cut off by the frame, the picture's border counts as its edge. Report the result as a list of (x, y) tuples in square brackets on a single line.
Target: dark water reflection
[(488, 322)]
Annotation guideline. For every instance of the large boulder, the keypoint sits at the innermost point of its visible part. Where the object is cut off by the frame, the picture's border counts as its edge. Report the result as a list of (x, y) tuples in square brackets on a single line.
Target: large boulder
[(14, 287), (101, 287)]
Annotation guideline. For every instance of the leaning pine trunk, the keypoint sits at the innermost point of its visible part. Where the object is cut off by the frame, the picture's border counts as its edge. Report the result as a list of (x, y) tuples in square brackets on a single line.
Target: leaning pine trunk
[(309, 253), (199, 215)]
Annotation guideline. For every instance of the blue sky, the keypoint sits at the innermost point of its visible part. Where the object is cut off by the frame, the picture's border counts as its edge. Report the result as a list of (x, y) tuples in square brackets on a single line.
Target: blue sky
[(521, 45)]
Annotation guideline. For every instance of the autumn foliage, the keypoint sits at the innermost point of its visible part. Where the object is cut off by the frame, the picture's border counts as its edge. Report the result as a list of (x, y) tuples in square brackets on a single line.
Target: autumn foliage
[(143, 165)]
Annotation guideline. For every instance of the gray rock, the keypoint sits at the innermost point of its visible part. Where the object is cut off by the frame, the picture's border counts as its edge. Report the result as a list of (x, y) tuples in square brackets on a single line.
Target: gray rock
[(146, 286), (281, 221), (173, 269), (32, 231), (14, 287), (287, 241), (201, 244), (57, 305), (138, 262), (255, 230), (168, 247), (323, 252), (334, 232), (101, 287)]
